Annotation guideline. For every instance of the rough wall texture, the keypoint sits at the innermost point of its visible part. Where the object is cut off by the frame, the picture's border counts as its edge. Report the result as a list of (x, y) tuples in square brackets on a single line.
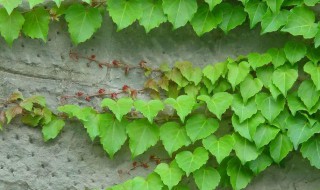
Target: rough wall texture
[(72, 161)]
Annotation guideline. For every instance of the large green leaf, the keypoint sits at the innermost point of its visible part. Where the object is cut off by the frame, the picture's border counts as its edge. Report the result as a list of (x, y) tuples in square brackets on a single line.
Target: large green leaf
[(119, 108), (199, 127), (9, 5), (152, 14), (205, 20), (314, 72), (273, 21), (218, 103), (124, 12), (37, 23), (250, 87), (183, 105), (256, 10), (82, 22), (311, 151), (264, 134), (278, 57), (245, 150), (190, 162), (301, 21), (260, 164), (189, 72), (52, 129), (112, 133), (91, 121), (232, 16), (179, 11), (10, 25), (280, 147), (295, 51), (207, 178), (214, 72), (149, 109), (242, 110), (258, 60), (142, 135), (240, 176), (308, 93), (284, 78), (213, 3), (248, 128), (269, 107), (294, 103), (237, 72), (170, 174), (221, 147), (33, 3), (173, 136)]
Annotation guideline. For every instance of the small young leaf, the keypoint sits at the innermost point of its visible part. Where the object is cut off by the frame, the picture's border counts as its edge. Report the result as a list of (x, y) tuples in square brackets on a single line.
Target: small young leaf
[(199, 127), (237, 72), (218, 103), (29, 102), (52, 129), (280, 147), (142, 135), (219, 148), (12, 112), (176, 76), (244, 111), (245, 150), (311, 151), (308, 93), (82, 22), (183, 105), (190, 73), (240, 176), (260, 164), (149, 109), (269, 107), (232, 16), (152, 15), (273, 21), (295, 51), (213, 3), (264, 134), (10, 5), (36, 23), (120, 107), (30, 120), (179, 11), (207, 178), (32, 3), (278, 57), (258, 60), (256, 10), (170, 174), (190, 162), (58, 2), (250, 87), (284, 78), (247, 129), (10, 25), (173, 136), (314, 72)]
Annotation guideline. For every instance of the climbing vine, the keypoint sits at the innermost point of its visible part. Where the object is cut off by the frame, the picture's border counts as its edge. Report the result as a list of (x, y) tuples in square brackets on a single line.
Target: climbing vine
[(272, 100)]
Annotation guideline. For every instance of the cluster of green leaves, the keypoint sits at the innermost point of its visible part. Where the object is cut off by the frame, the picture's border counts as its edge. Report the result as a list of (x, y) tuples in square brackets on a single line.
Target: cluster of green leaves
[(294, 17)]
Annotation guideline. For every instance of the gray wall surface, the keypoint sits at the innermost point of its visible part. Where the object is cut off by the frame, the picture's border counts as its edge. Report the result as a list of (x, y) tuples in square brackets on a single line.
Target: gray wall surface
[(72, 161)]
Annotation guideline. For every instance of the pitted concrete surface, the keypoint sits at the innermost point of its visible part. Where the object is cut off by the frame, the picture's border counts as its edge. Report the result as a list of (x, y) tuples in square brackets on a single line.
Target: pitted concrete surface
[(72, 161)]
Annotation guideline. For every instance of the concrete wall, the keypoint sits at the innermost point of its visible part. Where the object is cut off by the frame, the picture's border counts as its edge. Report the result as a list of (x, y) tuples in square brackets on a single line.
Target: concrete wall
[(72, 161)]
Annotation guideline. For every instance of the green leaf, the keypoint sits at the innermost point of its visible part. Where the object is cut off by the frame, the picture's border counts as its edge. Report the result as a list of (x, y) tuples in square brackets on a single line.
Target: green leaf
[(245, 150), (9, 5), (308, 93), (256, 10), (29, 103), (301, 21), (213, 3), (295, 51), (264, 134), (250, 87), (207, 178), (149, 109), (52, 129), (311, 2), (142, 135), (281, 121), (237, 72), (314, 72), (204, 20), (280, 147), (153, 182), (176, 76), (272, 22), (214, 72), (173, 136), (311, 151), (269, 107), (248, 128), (124, 12), (300, 130), (232, 16), (30, 120), (240, 176), (258, 60), (190, 73), (91, 121), (152, 15), (260, 164), (120, 107), (294, 103), (218, 103), (284, 78), (313, 54), (199, 127), (36, 23), (190, 162), (274, 5), (183, 105), (170, 174), (219, 148), (32, 3), (244, 111), (71, 110), (82, 22), (112, 133), (58, 2), (10, 25), (179, 11), (278, 57), (264, 75)]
